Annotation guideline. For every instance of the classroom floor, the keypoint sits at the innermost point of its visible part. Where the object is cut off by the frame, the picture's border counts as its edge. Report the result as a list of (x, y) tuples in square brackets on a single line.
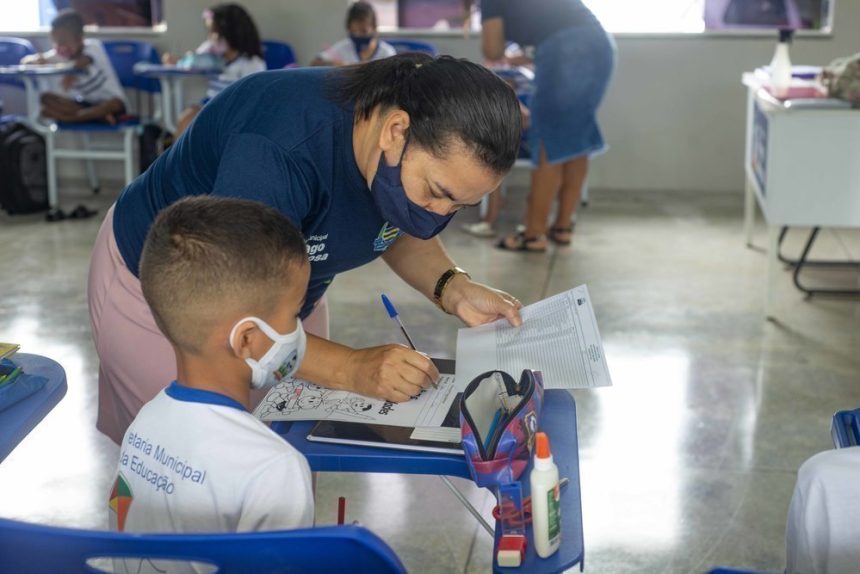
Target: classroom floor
[(687, 462)]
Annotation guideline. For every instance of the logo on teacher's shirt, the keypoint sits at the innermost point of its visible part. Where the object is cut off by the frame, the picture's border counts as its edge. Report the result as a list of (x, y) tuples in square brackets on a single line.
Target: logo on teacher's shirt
[(316, 248), (386, 237)]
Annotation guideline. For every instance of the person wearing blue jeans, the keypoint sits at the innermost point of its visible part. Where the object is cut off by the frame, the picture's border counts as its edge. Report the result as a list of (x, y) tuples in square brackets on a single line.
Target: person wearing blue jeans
[(573, 59)]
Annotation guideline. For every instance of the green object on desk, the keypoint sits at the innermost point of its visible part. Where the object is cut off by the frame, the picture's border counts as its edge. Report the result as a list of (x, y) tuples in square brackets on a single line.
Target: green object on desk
[(7, 379)]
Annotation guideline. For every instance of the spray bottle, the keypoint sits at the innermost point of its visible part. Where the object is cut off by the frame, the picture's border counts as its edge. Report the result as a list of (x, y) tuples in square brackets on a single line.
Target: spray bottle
[(546, 510), (780, 66)]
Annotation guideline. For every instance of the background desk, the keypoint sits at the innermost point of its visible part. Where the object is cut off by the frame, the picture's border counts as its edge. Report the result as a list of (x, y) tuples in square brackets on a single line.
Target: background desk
[(558, 420), (17, 421), (32, 76), (802, 166), (172, 80)]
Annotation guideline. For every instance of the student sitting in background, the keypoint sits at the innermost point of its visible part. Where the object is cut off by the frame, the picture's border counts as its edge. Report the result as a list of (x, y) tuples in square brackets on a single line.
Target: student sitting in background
[(233, 37), (225, 279), (822, 534), (92, 95), (363, 43)]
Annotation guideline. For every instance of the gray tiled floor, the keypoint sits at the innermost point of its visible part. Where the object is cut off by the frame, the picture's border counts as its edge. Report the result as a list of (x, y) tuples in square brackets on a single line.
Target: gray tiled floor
[(687, 462)]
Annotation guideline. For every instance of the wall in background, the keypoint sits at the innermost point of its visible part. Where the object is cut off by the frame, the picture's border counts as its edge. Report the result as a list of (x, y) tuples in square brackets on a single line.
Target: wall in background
[(674, 116)]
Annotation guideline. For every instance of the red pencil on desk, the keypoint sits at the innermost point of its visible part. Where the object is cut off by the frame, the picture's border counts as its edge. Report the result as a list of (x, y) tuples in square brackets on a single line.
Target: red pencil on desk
[(341, 510)]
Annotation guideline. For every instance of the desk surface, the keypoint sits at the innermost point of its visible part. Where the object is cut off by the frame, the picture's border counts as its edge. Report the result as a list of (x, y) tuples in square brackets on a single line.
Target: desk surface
[(40, 70), (17, 421), (558, 420), (148, 70)]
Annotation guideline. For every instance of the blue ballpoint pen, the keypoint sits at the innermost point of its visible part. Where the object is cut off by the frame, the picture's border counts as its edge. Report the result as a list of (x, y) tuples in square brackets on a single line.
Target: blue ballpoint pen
[(392, 312)]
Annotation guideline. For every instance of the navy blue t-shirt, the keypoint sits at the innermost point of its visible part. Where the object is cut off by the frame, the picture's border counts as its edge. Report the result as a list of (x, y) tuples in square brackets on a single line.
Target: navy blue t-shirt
[(276, 138), (530, 22)]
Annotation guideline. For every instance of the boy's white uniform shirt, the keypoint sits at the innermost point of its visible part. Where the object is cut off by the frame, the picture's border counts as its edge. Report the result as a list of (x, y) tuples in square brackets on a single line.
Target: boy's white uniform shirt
[(344, 51), (98, 83), (235, 70), (197, 461), (822, 534)]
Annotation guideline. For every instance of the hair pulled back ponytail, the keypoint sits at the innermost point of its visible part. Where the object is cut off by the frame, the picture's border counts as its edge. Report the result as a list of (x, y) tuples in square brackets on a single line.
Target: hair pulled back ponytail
[(447, 99)]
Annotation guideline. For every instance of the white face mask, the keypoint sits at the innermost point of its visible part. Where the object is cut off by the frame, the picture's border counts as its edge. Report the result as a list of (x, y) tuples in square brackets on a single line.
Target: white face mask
[(282, 360)]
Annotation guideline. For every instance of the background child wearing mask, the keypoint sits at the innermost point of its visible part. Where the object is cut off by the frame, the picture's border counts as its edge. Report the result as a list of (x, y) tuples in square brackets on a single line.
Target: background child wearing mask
[(225, 279), (363, 43), (234, 38)]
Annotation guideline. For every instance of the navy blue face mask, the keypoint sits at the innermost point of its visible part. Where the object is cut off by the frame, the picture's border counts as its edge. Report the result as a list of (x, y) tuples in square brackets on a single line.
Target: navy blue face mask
[(360, 42), (394, 205)]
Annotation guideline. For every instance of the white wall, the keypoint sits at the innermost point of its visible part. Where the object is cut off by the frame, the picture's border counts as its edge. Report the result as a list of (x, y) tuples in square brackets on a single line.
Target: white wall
[(674, 116)]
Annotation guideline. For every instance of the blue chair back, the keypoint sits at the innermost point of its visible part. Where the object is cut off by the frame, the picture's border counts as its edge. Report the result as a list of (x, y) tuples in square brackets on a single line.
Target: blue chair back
[(11, 52), (845, 429), (35, 548), (124, 54), (404, 46), (278, 55)]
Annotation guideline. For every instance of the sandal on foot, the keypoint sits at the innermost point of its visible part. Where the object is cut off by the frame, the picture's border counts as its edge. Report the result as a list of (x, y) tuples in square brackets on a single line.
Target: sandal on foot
[(555, 233), (81, 212), (523, 243)]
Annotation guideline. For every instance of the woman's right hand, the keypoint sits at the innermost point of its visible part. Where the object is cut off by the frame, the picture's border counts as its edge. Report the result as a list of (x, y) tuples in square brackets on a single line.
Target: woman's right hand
[(169, 59), (391, 372)]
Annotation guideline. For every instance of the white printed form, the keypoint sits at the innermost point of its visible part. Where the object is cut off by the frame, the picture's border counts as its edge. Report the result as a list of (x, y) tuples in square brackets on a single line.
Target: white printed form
[(297, 400), (558, 337)]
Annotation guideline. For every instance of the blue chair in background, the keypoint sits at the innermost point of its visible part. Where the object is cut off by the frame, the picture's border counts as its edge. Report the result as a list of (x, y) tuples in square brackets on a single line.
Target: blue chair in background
[(278, 55), (35, 548), (845, 429), (123, 54), (404, 46), (11, 52)]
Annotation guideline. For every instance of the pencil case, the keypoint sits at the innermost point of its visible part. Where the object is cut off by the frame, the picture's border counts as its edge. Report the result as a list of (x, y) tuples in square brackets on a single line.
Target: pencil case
[(498, 421), (18, 389)]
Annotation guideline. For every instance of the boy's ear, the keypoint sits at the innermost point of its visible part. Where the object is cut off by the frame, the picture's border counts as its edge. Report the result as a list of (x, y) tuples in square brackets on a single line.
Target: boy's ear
[(240, 344)]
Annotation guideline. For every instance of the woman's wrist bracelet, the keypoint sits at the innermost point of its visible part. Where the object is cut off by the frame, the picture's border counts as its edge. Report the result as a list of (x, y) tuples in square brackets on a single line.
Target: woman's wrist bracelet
[(442, 283)]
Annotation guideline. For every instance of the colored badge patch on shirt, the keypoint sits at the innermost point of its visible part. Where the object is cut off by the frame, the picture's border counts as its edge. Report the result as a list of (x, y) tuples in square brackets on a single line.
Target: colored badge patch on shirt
[(386, 237), (121, 498)]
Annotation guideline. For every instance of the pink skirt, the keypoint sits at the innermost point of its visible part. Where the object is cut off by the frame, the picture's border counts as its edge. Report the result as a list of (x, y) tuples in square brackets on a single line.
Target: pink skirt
[(135, 360)]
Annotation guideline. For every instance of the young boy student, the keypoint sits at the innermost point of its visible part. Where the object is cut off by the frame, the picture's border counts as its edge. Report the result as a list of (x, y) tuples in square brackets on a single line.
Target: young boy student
[(363, 43), (92, 95), (225, 279)]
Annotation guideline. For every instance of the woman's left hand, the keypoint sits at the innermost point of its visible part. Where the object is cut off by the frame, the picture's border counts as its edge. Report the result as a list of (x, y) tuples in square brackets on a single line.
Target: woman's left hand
[(476, 304)]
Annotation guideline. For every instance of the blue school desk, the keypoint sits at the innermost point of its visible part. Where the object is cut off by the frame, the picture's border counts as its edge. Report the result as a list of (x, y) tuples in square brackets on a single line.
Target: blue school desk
[(558, 420), (172, 80), (18, 420)]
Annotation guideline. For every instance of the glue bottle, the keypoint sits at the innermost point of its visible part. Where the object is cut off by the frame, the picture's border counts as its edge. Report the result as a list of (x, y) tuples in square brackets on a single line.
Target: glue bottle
[(780, 66), (546, 510)]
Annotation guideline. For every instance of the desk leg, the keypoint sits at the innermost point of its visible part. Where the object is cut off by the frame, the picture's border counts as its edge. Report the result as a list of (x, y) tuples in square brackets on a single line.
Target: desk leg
[(465, 502), (167, 104), (772, 268), (749, 212)]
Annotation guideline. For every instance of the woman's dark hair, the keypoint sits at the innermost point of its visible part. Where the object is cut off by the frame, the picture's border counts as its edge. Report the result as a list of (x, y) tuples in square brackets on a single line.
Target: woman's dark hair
[(447, 99), (361, 12), (235, 25)]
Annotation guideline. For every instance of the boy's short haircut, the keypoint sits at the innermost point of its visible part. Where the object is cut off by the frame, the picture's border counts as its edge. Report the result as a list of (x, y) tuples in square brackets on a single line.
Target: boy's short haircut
[(361, 12), (206, 256), (70, 20)]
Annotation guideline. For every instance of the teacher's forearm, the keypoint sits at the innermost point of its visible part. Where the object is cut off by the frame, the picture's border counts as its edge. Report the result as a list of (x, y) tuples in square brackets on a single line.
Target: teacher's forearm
[(326, 363), (419, 262)]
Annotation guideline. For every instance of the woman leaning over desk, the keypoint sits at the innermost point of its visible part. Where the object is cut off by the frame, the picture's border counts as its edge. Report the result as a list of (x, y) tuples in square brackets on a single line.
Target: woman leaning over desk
[(367, 161), (573, 61)]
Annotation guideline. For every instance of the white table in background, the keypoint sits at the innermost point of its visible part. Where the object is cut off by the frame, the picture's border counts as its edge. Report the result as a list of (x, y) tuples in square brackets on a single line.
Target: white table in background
[(802, 166)]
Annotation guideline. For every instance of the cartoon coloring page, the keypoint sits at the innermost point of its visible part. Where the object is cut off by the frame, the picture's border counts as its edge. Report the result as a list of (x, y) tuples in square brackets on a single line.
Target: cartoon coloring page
[(298, 400)]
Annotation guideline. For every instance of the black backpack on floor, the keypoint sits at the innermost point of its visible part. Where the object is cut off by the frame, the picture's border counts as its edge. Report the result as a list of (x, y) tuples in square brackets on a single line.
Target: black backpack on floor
[(23, 169)]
